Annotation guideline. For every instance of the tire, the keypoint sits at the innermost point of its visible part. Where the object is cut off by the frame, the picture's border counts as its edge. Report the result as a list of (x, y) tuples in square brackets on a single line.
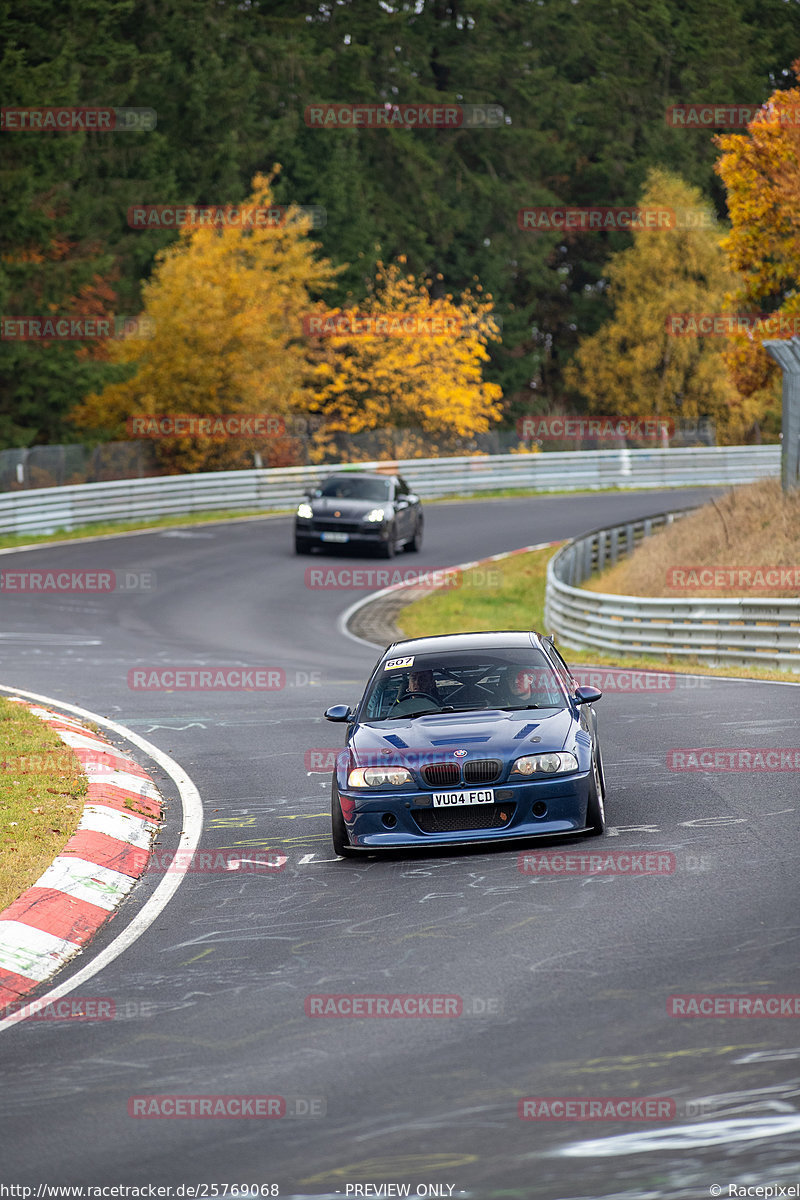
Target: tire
[(301, 546), (388, 548), (416, 542), (595, 809), (602, 775), (339, 836)]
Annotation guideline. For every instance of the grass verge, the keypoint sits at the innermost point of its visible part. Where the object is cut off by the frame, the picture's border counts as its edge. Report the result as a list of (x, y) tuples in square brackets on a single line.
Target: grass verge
[(41, 798), (517, 602)]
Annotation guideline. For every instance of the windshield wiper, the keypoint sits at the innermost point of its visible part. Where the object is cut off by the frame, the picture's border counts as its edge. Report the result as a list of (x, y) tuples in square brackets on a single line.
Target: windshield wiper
[(522, 707), (427, 712)]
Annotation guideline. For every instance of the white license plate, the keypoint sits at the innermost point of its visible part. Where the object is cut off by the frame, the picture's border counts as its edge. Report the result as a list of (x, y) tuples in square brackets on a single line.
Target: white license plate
[(454, 799), (335, 537)]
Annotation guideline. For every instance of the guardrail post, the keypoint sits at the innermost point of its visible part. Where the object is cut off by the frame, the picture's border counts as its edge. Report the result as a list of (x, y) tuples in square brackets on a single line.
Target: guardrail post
[(786, 354)]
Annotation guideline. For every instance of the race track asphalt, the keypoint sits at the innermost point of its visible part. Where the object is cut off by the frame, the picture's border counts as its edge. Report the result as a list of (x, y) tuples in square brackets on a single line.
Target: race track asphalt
[(567, 977)]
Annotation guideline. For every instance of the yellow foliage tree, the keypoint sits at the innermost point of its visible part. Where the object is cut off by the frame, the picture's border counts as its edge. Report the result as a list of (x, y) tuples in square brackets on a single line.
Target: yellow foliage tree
[(635, 365), (408, 369), (226, 304), (761, 172)]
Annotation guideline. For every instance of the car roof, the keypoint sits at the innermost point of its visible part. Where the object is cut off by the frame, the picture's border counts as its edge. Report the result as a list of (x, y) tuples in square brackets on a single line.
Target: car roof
[(447, 642)]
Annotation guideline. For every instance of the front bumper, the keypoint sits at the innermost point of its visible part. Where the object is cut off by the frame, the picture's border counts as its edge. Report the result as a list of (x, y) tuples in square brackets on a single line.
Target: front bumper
[(374, 535), (565, 799)]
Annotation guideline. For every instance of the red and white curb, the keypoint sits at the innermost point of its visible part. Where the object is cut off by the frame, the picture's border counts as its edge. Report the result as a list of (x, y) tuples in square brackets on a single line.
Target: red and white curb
[(52, 921)]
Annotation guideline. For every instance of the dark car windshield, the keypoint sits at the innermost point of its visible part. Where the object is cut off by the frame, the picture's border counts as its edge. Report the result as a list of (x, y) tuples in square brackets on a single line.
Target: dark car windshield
[(355, 488), (463, 681)]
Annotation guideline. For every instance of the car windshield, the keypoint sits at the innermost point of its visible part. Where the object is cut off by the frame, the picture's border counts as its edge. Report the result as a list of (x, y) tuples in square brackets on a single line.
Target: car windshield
[(355, 488), (463, 681)]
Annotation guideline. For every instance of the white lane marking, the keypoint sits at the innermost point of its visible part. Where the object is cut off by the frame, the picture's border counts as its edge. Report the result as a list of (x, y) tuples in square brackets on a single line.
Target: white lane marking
[(184, 533), (57, 543), (87, 881), (180, 728), (32, 952), (124, 826), (49, 639), (235, 863), (191, 827), (683, 1137)]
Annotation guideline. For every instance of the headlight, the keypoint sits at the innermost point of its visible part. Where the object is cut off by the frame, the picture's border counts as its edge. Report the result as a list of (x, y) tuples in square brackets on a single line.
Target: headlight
[(305, 511), (545, 764), (378, 777), (377, 514)]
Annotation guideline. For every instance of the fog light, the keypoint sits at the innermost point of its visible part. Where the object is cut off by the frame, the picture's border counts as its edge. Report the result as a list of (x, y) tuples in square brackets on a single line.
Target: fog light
[(539, 808), (389, 820)]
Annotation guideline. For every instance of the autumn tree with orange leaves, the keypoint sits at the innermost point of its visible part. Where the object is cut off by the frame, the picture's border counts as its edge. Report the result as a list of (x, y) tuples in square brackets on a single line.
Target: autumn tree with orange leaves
[(761, 172), (226, 304), (405, 367)]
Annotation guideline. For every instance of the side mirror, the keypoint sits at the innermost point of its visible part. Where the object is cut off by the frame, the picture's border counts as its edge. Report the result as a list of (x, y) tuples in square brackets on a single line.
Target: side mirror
[(341, 712), (587, 695)]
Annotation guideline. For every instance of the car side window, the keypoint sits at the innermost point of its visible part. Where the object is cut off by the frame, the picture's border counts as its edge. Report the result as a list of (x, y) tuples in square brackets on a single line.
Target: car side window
[(563, 670), (402, 489)]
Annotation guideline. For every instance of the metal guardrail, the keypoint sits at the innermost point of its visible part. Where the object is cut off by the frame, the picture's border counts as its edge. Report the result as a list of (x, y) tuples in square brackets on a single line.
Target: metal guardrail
[(47, 510), (757, 632)]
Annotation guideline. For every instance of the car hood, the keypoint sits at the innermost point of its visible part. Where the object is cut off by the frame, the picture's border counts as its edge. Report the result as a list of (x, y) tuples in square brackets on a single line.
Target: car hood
[(328, 506), (488, 734)]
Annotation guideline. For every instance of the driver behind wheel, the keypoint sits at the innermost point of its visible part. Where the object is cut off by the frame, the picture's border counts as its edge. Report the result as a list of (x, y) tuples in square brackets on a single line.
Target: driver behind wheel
[(420, 684)]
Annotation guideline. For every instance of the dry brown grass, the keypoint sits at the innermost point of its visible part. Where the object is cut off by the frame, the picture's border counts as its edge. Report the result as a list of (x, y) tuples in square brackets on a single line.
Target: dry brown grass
[(756, 525)]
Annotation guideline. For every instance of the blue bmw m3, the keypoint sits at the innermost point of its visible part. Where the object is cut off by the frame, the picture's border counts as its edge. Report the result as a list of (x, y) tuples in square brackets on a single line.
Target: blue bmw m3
[(463, 738)]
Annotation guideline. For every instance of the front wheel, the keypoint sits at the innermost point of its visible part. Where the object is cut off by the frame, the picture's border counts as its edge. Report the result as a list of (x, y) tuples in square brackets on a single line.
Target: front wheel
[(390, 545), (302, 546), (339, 835), (595, 809), (416, 542)]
